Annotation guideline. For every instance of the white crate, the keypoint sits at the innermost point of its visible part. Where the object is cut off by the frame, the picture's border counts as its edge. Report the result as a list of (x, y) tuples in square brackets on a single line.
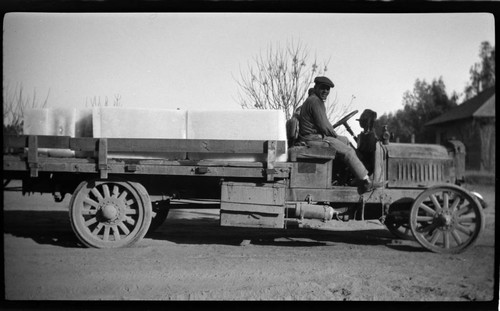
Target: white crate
[(118, 122), (83, 123), (115, 122), (50, 121), (236, 125)]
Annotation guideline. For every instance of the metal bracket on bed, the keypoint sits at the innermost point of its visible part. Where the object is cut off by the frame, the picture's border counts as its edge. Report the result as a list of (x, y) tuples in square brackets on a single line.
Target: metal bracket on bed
[(102, 160), (33, 163), (271, 159)]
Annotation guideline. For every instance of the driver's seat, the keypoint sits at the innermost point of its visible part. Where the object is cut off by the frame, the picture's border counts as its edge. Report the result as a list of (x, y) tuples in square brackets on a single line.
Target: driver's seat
[(292, 129), (292, 134), (309, 149)]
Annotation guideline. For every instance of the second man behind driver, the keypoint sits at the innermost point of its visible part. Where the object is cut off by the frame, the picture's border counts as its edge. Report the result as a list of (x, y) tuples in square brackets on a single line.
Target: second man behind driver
[(315, 127)]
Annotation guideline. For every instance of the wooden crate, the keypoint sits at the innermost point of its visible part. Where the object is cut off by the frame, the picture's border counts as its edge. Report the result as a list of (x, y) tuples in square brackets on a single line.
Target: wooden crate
[(252, 205)]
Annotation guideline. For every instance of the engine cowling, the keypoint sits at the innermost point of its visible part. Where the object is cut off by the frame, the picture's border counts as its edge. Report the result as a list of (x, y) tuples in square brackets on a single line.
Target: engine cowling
[(424, 165)]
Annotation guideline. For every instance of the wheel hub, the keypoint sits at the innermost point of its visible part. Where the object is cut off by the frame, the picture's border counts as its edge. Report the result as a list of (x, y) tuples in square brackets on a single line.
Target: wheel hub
[(445, 220), (109, 212)]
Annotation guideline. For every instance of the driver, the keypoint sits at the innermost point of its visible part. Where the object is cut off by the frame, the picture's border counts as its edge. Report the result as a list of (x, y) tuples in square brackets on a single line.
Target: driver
[(315, 127)]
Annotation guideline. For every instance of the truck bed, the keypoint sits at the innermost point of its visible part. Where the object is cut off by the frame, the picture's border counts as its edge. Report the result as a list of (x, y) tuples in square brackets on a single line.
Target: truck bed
[(22, 154)]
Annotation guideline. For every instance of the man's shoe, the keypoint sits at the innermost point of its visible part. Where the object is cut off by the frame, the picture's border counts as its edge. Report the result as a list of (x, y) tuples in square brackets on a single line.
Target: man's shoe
[(355, 182)]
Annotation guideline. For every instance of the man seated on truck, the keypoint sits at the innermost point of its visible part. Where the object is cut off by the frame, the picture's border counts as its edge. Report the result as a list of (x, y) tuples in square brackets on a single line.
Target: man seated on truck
[(367, 140), (315, 127)]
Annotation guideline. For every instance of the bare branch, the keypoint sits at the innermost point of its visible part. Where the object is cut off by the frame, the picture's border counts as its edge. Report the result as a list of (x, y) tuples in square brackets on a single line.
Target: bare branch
[(15, 102), (279, 78)]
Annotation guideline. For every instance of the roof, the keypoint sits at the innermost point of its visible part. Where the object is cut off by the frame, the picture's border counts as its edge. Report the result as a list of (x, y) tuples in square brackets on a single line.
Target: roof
[(482, 105)]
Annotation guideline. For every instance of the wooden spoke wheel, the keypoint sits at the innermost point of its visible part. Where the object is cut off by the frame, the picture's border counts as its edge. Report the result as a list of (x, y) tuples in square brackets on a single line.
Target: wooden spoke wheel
[(446, 219), (110, 214)]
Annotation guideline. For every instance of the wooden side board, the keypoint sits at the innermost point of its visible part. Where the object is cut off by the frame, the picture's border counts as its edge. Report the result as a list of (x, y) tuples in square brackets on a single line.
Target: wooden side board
[(147, 144), (102, 164)]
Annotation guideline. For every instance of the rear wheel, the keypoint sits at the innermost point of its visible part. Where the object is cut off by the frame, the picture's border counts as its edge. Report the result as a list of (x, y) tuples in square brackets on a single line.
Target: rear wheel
[(159, 215), (110, 214), (446, 219), (400, 228)]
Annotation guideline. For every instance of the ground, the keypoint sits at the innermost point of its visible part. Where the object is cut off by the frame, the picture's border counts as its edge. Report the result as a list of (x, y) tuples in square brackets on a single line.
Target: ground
[(190, 257)]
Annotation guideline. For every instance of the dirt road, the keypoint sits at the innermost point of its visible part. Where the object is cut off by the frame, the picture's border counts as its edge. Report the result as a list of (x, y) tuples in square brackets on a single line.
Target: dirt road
[(190, 257)]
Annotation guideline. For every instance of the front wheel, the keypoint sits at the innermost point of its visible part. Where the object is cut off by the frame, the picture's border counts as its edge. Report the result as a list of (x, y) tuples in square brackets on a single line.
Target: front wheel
[(110, 214), (446, 219)]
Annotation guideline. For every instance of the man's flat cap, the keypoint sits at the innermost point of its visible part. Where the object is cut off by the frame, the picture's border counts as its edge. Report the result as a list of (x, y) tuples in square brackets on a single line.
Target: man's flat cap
[(323, 80)]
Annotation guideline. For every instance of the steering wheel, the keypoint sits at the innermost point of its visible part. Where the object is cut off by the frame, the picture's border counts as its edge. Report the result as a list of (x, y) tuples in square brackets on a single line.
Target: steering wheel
[(344, 120)]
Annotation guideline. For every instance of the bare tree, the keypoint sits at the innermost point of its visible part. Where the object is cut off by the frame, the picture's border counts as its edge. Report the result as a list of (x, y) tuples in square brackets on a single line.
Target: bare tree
[(335, 111), (96, 101), (280, 79), (15, 102)]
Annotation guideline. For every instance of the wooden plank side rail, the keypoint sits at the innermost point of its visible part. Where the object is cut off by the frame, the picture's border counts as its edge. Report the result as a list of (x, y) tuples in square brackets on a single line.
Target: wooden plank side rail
[(102, 158), (148, 144), (190, 145), (44, 141), (102, 147), (14, 141)]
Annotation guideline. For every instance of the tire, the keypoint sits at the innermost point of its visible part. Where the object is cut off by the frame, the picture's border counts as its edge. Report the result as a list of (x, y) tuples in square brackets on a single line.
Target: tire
[(110, 214), (446, 219)]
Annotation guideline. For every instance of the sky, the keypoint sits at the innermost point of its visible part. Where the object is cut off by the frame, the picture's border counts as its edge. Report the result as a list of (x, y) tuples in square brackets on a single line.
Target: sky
[(193, 60)]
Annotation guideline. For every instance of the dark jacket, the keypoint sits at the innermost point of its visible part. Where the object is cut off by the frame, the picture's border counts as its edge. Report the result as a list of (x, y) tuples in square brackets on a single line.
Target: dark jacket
[(313, 120)]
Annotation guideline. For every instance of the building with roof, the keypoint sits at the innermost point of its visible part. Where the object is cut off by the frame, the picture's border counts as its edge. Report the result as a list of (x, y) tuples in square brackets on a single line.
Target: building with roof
[(473, 123)]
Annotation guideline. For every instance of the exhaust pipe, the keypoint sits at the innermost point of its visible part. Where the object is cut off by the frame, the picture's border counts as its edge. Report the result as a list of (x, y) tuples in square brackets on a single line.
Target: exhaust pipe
[(304, 210)]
